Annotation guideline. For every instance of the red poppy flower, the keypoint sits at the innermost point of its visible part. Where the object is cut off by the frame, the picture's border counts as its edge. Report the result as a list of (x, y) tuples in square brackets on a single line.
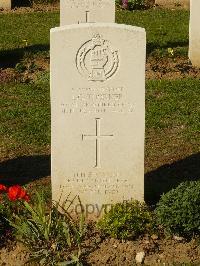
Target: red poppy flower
[(16, 192), (2, 188)]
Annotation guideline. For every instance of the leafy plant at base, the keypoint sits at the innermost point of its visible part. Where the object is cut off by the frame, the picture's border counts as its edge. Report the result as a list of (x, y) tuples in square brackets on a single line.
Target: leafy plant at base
[(127, 220), (52, 237), (179, 209)]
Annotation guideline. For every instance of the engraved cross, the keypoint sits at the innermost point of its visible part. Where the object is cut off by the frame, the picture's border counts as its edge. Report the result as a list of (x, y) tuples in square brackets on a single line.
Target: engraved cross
[(97, 137), (87, 17)]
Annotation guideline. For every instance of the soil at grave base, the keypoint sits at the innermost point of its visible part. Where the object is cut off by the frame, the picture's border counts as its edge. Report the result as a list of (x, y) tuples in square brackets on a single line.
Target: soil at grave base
[(13, 256), (114, 252), (170, 68), (34, 8), (10, 74), (173, 4), (156, 68)]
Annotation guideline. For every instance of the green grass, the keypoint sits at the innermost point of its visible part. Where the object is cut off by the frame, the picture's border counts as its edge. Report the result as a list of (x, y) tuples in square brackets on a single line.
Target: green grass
[(25, 35), (165, 28), (172, 107), (25, 112), (25, 117), (33, 27), (173, 104)]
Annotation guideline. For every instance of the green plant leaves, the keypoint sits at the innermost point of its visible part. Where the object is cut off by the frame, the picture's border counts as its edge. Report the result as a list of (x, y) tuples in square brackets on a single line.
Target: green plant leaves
[(49, 234), (127, 220), (179, 209)]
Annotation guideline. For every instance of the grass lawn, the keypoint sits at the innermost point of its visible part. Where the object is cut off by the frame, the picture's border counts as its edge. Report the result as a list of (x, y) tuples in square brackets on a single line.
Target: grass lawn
[(172, 136), (172, 123), (165, 28), (172, 107)]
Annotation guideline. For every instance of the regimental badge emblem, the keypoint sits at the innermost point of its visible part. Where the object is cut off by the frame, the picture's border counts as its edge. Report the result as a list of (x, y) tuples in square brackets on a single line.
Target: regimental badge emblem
[(96, 60)]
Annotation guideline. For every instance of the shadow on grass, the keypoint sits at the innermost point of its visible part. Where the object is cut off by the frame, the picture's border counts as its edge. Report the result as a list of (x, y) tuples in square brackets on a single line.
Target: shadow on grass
[(170, 176), (9, 58), (23, 170), (21, 3), (26, 169)]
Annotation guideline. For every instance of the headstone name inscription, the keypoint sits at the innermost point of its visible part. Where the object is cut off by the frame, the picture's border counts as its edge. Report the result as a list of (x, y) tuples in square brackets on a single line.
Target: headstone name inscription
[(98, 112), (86, 11)]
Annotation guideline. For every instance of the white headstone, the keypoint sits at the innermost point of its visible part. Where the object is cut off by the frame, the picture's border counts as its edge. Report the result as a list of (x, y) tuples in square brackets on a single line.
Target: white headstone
[(5, 4), (194, 42), (98, 113), (86, 11)]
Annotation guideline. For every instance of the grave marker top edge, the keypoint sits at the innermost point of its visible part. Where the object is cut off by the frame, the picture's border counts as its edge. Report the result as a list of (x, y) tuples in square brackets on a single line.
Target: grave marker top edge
[(97, 25)]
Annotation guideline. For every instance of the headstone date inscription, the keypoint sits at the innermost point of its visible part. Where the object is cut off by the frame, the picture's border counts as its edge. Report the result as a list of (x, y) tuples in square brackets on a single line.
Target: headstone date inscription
[(98, 112), (86, 11)]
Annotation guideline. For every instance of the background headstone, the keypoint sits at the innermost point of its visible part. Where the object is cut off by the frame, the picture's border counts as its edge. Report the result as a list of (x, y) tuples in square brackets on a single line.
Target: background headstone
[(98, 112), (86, 11), (5, 4), (194, 40)]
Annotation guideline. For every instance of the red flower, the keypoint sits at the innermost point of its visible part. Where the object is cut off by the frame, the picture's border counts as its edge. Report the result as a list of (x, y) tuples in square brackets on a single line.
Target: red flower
[(2, 188), (16, 192)]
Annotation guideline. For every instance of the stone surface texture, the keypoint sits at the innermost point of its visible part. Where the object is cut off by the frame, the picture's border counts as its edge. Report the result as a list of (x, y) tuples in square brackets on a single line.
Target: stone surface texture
[(5, 4), (98, 113), (86, 11), (194, 39)]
